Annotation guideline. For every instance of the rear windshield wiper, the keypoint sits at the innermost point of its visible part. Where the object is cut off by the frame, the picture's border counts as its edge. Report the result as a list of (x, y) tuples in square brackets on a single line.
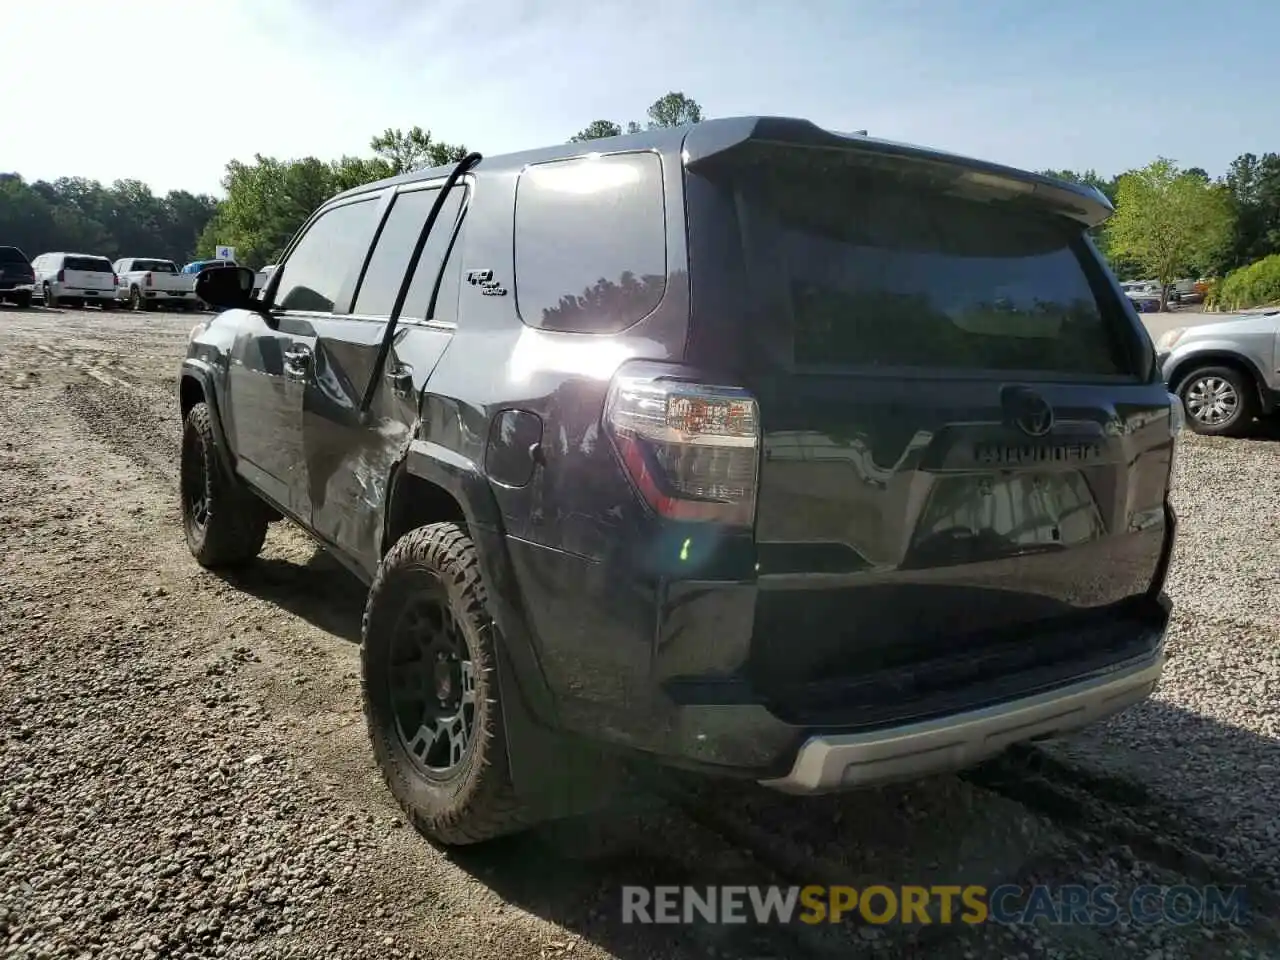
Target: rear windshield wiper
[(463, 165)]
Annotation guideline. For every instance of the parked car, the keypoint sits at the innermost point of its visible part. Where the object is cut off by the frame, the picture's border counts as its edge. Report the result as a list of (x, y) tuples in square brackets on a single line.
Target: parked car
[(1186, 291), (1144, 294), (16, 277), (147, 283), (1224, 372), (74, 279), (591, 453), (200, 266)]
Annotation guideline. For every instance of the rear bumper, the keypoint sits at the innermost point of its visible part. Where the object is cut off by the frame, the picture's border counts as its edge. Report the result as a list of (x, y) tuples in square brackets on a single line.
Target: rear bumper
[(667, 670), (841, 762), (166, 295), (75, 293)]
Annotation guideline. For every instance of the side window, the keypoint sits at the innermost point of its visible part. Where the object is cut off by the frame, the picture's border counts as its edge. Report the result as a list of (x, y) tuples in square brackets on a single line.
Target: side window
[(390, 258), (590, 242), (312, 277)]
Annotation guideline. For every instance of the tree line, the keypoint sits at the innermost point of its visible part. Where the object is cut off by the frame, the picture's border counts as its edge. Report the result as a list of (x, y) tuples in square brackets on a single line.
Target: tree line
[(1169, 221)]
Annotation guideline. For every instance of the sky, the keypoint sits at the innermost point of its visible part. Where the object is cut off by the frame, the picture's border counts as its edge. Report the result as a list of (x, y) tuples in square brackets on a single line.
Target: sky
[(168, 92)]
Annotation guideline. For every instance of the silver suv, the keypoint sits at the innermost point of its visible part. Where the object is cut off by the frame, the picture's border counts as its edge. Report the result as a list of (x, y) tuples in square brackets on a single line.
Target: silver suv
[(1226, 372)]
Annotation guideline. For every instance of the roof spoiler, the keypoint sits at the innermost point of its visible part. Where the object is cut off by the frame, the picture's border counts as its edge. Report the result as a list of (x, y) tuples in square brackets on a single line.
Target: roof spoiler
[(707, 144)]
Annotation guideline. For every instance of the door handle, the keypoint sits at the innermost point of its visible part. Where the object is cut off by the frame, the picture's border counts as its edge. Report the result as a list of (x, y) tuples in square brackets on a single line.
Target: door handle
[(296, 361), (401, 377)]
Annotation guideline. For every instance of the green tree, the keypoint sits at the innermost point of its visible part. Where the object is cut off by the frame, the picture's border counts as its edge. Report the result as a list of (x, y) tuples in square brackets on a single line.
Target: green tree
[(674, 110), (597, 130), (670, 110), (414, 149), (77, 214), (1169, 220), (1254, 185)]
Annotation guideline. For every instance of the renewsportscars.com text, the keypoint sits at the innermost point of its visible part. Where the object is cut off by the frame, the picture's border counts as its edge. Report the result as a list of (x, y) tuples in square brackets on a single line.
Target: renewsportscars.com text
[(1100, 905)]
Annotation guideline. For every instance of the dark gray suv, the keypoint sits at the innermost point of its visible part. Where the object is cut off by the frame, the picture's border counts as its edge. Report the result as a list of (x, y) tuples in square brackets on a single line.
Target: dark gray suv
[(744, 447)]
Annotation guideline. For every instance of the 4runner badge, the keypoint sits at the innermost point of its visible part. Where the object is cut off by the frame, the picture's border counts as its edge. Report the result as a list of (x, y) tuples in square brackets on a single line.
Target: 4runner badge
[(484, 280)]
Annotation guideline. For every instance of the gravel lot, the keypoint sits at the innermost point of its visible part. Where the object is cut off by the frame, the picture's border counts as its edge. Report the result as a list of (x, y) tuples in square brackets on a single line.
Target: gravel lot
[(184, 770)]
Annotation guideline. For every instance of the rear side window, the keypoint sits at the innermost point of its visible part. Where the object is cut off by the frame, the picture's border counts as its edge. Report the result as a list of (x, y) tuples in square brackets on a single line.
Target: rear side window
[(88, 264), (319, 264), (390, 258), (590, 242), (12, 255), (891, 277)]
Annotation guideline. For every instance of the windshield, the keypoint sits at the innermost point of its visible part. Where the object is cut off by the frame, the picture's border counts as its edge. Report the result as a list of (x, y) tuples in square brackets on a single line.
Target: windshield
[(879, 273), (155, 266), (88, 264), (12, 255)]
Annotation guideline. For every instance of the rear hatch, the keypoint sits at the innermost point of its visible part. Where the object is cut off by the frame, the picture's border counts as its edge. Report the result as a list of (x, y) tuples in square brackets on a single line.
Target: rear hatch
[(15, 268), (88, 274), (163, 276), (966, 452)]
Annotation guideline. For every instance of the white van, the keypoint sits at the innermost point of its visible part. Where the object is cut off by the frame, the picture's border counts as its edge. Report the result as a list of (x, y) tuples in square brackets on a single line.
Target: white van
[(74, 279)]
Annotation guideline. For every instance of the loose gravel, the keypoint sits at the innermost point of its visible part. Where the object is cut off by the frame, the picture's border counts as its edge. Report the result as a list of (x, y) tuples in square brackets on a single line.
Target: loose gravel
[(184, 770)]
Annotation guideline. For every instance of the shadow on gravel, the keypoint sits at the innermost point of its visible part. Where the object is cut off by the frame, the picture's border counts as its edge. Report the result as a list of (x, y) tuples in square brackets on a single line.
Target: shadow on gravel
[(702, 833), (1181, 789), (320, 591), (1264, 428)]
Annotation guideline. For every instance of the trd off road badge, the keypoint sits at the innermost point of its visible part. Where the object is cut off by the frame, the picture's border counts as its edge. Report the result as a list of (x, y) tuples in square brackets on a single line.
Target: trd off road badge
[(484, 280)]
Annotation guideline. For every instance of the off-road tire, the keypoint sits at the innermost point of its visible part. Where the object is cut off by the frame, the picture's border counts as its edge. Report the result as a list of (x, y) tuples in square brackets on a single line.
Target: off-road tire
[(1245, 388), (235, 524), (477, 802)]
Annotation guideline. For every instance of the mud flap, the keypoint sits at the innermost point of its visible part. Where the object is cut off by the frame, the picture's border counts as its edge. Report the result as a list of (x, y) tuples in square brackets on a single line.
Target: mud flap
[(558, 775)]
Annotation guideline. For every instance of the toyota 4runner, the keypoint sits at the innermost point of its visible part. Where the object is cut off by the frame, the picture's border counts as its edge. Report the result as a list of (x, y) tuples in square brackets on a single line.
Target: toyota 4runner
[(746, 447)]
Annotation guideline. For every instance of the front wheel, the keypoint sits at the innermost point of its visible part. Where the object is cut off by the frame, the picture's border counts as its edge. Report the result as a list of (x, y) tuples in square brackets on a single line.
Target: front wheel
[(1220, 401), (431, 695), (225, 524), (49, 299)]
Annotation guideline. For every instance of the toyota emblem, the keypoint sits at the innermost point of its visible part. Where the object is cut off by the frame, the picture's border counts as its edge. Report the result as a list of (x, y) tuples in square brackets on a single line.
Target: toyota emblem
[(1030, 412)]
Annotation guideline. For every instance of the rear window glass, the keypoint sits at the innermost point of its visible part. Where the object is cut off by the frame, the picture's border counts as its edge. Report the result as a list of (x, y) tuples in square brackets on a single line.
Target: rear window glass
[(88, 264), (590, 242), (883, 276), (155, 266), (12, 255)]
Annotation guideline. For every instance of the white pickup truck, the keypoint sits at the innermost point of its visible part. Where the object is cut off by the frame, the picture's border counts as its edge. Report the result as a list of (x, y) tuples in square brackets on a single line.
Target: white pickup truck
[(148, 284)]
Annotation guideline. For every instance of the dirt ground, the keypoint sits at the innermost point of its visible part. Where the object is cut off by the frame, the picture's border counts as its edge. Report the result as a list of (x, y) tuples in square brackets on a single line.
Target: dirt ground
[(184, 770)]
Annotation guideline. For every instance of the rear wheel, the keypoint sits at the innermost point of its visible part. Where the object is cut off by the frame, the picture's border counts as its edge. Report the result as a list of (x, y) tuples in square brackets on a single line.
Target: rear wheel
[(1220, 401), (135, 299), (431, 695), (225, 524)]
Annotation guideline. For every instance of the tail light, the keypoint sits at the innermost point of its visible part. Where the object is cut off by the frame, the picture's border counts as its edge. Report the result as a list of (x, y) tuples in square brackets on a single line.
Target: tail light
[(115, 280), (691, 449), (146, 279), (62, 276)]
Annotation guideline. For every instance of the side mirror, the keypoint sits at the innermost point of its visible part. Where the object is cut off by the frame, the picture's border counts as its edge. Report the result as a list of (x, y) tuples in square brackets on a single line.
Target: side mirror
[(227, 288)]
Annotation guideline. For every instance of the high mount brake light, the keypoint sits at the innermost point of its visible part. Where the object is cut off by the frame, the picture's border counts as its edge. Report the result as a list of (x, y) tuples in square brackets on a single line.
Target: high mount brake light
[(691, 449)]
